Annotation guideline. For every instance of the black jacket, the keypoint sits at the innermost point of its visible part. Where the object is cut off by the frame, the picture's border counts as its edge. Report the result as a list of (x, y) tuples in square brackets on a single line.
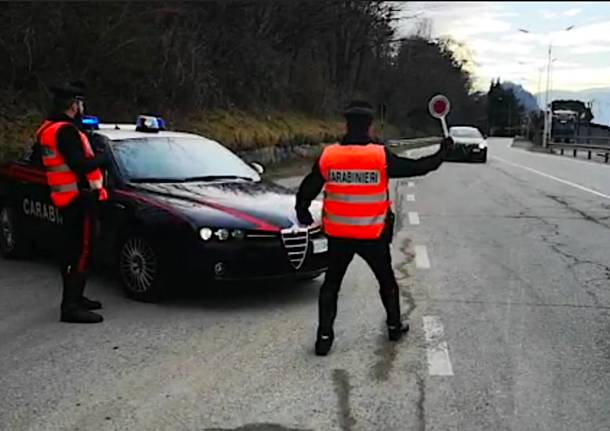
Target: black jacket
[(397, 167)]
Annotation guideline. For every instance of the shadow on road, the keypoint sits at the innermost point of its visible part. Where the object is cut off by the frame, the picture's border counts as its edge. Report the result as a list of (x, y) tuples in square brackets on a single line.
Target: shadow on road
[(39, 277), (245, 295), (464, 161)]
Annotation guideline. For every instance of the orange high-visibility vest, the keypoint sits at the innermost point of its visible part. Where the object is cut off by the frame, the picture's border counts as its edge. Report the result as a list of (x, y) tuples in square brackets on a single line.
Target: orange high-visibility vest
[(356, 198), (60, 178)]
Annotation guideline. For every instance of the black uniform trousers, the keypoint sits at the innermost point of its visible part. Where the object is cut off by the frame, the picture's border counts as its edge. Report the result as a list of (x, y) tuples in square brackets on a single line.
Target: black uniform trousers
[(376, 254), (80, 220)]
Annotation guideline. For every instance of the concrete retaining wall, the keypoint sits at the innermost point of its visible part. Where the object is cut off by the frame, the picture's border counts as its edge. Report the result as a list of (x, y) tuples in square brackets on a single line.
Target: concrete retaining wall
[(275, 155)]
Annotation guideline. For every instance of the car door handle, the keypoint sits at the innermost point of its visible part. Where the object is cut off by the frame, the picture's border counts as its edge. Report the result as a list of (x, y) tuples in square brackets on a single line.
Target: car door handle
[(119, 206)]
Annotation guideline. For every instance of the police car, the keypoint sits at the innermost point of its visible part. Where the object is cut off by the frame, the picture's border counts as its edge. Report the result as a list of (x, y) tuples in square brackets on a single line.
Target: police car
[(181, 208)]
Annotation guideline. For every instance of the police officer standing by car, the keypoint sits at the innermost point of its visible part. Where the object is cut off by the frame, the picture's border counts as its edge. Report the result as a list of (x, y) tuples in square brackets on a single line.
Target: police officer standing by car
[(357, 217), (76, 185)]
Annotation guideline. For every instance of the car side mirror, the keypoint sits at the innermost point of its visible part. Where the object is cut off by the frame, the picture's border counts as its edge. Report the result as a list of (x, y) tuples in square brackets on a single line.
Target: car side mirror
[(259, 168)]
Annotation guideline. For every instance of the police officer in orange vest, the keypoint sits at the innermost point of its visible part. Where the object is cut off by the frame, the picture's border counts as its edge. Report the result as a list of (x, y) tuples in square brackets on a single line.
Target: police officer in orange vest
[(76, 185), (357, 217)]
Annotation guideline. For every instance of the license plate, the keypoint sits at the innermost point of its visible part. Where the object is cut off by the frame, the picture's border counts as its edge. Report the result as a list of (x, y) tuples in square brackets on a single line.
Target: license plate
[(476, 150), (320, 245)]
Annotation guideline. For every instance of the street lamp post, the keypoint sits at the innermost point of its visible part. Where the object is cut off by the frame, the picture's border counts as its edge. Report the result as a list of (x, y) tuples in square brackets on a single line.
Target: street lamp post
[(547, 110), (538, 87)]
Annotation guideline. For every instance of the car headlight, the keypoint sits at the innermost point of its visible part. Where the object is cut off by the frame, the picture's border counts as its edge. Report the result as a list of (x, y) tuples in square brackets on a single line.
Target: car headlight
[(222, 234), (238, 234), (205, 233), (482, 145)]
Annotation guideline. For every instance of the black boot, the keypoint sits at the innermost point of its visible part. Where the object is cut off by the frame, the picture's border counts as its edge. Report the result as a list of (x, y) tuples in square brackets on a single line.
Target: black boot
[(72, 308), (90, 304), (395, 332), (324, 342), (391, 302)]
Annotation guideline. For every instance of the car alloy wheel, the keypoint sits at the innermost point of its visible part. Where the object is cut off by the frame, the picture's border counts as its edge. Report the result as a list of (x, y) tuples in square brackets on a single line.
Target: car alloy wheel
[(138, 265), (7, 231)]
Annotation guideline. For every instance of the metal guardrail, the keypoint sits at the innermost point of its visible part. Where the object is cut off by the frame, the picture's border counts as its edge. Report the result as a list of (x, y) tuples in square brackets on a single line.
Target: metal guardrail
[(414, 142), (600, 144)]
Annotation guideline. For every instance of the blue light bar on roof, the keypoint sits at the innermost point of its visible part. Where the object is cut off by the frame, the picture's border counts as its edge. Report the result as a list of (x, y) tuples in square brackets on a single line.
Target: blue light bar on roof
[(90, 122), (149, 123)]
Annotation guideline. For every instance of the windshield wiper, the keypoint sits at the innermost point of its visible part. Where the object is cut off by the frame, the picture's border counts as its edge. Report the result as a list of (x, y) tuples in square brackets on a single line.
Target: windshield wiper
[(189, 179), (156, 180), (217, 177)]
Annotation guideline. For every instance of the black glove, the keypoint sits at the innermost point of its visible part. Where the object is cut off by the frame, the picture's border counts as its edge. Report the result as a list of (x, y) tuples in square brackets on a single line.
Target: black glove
[(304, 216)]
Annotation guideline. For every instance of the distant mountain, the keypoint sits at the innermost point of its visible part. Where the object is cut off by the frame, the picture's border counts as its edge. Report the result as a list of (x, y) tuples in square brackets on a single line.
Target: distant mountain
[(599, 96), (527, 99)]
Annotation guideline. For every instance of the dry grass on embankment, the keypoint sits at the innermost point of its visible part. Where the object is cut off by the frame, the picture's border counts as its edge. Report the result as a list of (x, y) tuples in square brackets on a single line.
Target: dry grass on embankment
[(245, 131), (17, 134), (236, 129)]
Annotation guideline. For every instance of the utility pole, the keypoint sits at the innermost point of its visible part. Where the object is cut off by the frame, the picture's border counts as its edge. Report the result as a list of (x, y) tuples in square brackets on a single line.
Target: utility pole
[(547, 110), (538, 87)]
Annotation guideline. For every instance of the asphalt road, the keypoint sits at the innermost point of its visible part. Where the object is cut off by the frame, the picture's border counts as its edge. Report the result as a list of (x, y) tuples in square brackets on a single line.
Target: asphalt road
[(505, 278)]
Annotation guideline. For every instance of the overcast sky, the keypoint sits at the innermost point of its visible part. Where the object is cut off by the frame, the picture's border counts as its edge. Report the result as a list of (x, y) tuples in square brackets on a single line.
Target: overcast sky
[(491, 30)]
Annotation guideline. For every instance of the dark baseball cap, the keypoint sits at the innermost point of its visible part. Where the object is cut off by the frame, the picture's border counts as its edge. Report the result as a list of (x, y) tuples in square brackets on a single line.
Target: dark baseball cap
[(69, 90), (359, 107)]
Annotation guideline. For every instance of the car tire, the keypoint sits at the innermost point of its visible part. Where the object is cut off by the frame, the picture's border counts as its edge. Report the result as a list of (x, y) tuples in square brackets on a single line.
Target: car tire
[(141, 269), (14, 244)]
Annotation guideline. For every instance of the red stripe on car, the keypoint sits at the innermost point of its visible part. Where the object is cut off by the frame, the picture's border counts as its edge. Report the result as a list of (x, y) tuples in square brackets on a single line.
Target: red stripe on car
[(233, 212), (261, 225), (150, 202), (26, 174)]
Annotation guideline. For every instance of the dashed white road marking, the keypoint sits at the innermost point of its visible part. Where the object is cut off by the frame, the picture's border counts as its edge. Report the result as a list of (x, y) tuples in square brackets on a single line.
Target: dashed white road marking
[(413, 218), (543, 174), (421, 257), (410, 184), (437, 350), (410, 198)]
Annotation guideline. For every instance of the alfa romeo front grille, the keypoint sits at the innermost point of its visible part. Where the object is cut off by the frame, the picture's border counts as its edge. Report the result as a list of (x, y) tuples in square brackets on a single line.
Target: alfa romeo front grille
[(296, 241)]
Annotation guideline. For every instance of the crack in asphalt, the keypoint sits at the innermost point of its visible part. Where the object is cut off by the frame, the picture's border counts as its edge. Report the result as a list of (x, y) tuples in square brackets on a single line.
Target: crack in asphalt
[(560, 201), (575, 262), (386, 356), (554, 245), (342, 390), (387, 352), (581, 213), (421, 403)]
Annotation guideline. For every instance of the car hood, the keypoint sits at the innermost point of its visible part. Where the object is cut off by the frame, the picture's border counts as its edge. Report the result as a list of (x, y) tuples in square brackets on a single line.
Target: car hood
[(245, 205), (468, 141)]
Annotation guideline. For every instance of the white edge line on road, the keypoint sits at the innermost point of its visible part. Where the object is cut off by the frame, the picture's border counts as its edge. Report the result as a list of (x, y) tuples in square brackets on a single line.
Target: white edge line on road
[(413, 218), (542, 174), (410, 198), (410, 184), (437, 350), (421, 257)]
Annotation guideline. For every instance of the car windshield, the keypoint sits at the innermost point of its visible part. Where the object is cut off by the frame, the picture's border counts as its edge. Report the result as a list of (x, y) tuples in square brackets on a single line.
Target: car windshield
[(465, 133), (177, 159)]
